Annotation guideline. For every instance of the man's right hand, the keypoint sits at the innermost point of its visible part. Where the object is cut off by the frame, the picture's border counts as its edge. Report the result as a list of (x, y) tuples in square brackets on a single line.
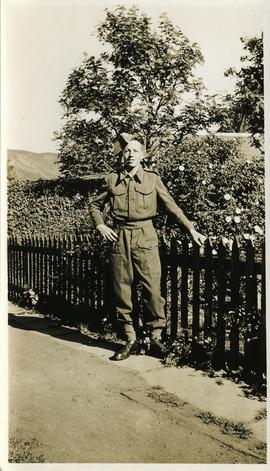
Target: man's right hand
[(107, 233)]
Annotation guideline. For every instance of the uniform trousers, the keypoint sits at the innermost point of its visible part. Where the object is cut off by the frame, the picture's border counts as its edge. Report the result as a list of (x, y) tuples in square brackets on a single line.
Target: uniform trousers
[(136, 253)]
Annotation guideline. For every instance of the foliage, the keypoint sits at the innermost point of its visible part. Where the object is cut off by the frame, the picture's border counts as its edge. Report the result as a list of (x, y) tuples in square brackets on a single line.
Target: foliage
[(142, 82), (243, 110), (218, 188), (197, 353), (226, 426), (24, 451), (249, 322), (29, 298), (261, 414), (55, 208)]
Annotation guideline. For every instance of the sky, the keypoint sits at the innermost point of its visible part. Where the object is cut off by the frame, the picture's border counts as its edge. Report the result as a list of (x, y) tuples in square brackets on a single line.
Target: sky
[(45, 40)]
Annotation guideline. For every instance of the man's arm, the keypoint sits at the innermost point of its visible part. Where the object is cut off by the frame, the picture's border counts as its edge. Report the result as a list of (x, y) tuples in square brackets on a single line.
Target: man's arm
[(96, 208), (98, 203), (172, 207)]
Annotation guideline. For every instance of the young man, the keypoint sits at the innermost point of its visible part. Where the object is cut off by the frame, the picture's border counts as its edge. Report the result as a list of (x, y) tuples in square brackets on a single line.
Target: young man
[(132, 193)]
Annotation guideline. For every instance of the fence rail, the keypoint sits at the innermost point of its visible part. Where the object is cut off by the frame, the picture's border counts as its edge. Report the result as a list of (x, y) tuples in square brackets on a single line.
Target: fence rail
[(220, 292)]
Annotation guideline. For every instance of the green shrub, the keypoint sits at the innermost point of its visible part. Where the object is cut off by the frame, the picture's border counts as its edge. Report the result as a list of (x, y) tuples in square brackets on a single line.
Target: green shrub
[(218, 187), (56, 208)]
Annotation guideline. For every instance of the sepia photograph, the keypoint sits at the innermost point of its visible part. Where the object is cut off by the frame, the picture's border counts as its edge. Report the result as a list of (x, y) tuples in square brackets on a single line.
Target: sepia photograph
[(133, 234)]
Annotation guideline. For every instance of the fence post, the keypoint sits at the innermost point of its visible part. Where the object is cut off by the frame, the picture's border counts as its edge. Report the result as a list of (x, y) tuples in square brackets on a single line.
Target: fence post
[(262, 333), (37, 268), (57, 267), (50, 268), (100, 281), (251, 280), (174, 289), (45, 245), (208, 293), (76, 270), (196, 291), (91, 278), (29, 261), (221, 302), (184, 288), (235, 299), (19, 268), (164, 274), (70, 269), (108, 295), (63, 255), (10, 267), (41, 249), (80, 271), (11, 242), (34, 255), (16, 267)]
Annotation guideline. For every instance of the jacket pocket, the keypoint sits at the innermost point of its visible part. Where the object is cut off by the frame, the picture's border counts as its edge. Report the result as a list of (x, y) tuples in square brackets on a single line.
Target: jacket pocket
[(119, 200), (146, 196)]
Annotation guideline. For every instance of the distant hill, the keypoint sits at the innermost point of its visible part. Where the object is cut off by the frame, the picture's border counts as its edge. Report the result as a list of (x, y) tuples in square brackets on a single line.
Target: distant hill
[(27, 165)]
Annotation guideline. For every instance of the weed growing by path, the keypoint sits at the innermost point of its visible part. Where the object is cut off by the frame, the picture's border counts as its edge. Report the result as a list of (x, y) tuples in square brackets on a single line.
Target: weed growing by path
[(226, 426), (21, 451), (159, 395), (261, 446), (261, 414)]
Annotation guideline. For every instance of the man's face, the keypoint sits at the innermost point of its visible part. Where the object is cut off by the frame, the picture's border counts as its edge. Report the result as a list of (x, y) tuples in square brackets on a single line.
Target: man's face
[(132, 154)]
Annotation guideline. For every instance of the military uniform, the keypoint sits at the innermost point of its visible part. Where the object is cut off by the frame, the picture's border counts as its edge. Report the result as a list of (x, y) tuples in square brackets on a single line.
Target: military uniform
[(133, 204)]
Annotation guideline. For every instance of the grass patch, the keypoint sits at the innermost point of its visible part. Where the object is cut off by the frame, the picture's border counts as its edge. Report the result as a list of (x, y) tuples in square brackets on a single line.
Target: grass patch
[(226, 426), (24, 451), (261, 414), (219, 382), (159, 395), (261, 446)]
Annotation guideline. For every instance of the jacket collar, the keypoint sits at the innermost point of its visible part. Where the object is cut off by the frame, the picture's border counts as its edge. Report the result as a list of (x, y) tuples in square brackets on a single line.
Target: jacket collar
[(138, 175)]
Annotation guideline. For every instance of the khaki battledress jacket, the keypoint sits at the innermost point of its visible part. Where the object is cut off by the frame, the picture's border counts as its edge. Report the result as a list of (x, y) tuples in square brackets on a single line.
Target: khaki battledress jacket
[(135, 199), (133, 203)]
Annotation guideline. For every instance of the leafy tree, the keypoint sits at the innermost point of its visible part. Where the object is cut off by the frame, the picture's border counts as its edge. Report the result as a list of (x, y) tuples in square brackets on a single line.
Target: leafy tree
[(244, 109), (142, 82)]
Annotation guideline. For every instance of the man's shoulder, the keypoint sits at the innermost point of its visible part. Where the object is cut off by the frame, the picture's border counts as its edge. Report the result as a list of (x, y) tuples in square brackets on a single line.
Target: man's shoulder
[(111, 176), (151, 172), (150, 176)]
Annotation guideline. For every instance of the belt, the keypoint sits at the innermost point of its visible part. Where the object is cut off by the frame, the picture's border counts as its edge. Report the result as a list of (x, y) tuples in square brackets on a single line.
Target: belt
[(132, 224)]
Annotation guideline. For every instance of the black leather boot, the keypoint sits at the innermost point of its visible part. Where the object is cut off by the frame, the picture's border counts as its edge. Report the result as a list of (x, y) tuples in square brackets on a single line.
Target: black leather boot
[(131, 347), (157, 348)]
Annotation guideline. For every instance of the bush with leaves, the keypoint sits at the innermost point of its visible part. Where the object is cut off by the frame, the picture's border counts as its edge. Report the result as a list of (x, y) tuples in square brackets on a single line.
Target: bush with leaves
[(29, 298), (50, 208), (218, 187)]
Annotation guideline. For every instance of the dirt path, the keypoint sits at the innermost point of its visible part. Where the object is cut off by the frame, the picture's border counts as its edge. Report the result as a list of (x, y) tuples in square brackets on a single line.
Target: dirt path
[(84, 409)]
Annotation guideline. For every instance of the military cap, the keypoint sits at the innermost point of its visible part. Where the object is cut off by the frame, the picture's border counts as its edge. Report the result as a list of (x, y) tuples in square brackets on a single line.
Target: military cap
[(123, 139)]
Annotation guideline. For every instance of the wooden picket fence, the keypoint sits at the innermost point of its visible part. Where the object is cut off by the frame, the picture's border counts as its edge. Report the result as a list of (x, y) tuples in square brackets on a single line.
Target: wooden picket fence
[(201, 289)]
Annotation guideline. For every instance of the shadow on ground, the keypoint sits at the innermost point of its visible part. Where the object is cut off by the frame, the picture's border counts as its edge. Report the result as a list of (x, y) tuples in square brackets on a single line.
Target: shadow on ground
[(54, 329)]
